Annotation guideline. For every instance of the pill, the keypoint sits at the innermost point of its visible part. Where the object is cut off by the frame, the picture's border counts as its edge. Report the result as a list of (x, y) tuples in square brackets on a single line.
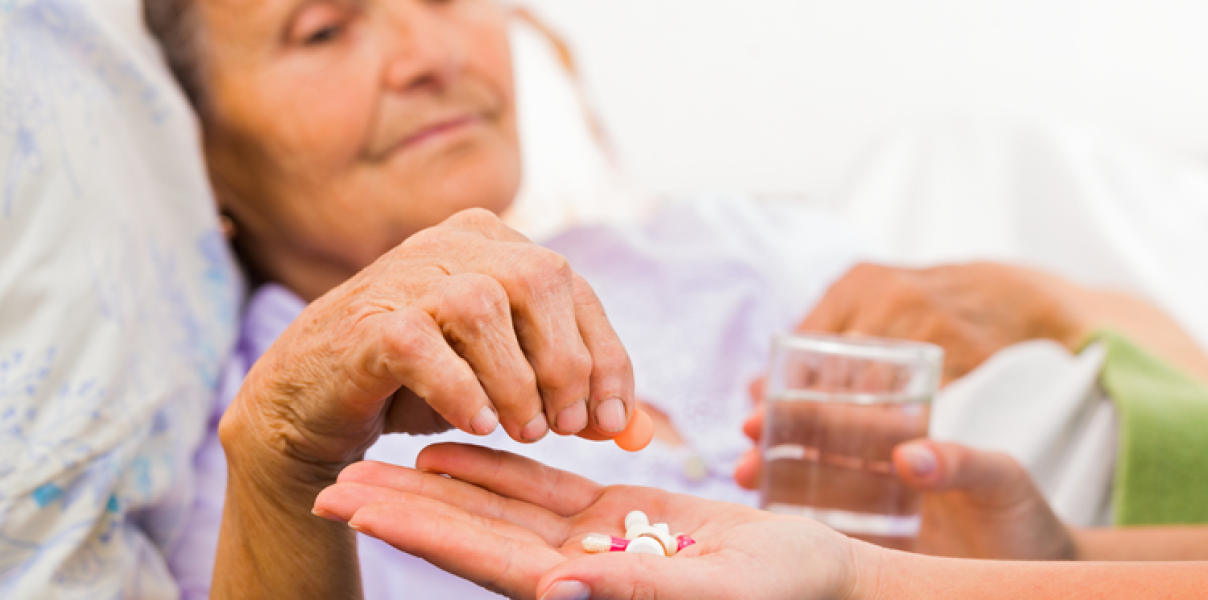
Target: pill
[(662, 528), (645, 545), (667, 542), (683, 541), (636, 517), (636, 531), (596, 543), (637, 434)]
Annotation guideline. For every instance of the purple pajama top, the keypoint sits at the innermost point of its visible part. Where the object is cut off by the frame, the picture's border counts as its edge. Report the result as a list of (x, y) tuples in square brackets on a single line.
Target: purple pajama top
[(695, 292)]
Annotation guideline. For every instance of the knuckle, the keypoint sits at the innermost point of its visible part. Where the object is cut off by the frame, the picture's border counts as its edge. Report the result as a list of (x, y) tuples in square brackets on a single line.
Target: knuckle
[(433, 240), (612, 359), (410, 335), (566, 368), (475, 218), (475, 300), (541, 268)]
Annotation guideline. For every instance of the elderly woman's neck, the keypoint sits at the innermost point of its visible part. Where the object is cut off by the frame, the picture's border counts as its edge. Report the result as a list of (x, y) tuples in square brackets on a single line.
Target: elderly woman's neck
[(308, 277)]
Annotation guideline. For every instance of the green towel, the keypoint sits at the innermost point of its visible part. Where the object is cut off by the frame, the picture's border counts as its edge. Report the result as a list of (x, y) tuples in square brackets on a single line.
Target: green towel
[(1162, 465)]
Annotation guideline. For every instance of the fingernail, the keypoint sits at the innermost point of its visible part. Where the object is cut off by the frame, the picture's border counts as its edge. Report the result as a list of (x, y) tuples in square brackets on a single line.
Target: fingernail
[(573, 418), (536, 429), (610, 415), (921, 459), (567, 590), (322, 514), (485, 421)]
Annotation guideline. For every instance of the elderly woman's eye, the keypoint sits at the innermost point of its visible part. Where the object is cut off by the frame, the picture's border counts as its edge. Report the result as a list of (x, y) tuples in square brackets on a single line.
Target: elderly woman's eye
[(323, 35), (318, 24)]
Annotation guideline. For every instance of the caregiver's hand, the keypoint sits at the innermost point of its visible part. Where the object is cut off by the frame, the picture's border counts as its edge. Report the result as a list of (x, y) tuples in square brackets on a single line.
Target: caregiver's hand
[(971, 310), (976, 504), (515, 526), (465, 324)]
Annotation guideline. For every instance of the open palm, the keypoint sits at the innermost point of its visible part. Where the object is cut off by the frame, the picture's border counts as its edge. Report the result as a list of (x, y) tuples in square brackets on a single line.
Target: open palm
[(515, 526)]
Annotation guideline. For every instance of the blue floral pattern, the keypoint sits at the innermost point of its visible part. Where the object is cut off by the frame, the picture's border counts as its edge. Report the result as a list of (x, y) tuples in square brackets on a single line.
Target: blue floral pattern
[(120, 299)]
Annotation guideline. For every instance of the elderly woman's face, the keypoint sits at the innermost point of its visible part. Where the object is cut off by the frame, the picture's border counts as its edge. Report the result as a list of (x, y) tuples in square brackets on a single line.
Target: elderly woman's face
[(337, 128)]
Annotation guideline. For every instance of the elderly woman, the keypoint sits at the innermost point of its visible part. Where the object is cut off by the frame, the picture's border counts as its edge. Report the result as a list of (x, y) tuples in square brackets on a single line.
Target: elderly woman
[(352, 147)]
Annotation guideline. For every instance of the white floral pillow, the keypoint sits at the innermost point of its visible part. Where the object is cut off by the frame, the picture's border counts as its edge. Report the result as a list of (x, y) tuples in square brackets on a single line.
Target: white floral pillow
[(118, 302)]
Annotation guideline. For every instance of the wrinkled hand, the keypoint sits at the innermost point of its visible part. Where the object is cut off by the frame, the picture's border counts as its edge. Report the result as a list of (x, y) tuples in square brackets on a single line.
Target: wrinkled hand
[(466, 324), (515, 526), (975, 504), (970, 310)]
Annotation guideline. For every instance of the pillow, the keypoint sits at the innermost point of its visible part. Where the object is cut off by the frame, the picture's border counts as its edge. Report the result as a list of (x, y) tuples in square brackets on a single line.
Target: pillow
[(120, 300)]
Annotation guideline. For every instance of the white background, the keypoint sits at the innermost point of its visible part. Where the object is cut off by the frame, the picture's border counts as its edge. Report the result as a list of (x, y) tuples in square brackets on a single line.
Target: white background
[(784, 95)]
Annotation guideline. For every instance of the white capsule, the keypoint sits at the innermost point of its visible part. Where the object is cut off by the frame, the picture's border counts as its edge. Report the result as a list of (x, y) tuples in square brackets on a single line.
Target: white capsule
[(636, 517), (645, 545), (662, 528)]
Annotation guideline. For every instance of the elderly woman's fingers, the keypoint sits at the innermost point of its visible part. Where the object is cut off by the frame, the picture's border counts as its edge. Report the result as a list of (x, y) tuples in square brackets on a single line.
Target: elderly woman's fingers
[(475, 316), (541, 286), (836, 308), (612, 401), (405, 347), (559, 324), (496, 561), (512, 476)]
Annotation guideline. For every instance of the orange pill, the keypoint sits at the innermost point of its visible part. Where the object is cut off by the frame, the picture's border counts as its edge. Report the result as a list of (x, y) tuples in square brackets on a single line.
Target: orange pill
[(638, 434)]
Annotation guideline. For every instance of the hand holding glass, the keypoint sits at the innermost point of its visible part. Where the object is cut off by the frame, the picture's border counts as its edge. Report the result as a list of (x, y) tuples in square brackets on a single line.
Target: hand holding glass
[(835, 409)]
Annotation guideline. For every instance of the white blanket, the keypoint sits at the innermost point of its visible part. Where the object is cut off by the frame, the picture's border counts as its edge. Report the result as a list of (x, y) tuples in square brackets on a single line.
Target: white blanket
[(1088, 206)]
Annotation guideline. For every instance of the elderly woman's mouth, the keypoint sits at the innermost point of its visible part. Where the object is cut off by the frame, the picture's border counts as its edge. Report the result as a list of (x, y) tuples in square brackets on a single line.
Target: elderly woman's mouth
[(445, 130)]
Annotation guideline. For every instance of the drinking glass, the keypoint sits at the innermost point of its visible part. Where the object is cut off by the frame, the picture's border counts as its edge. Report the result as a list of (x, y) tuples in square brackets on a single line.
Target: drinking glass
[(835, 409)]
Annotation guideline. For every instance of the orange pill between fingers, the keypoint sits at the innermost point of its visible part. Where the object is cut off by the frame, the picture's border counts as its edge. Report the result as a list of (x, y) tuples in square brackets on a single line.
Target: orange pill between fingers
[(637, 434)]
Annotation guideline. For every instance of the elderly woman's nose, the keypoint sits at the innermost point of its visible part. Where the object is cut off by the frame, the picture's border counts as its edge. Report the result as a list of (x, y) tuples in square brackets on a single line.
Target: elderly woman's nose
[(424, 45)]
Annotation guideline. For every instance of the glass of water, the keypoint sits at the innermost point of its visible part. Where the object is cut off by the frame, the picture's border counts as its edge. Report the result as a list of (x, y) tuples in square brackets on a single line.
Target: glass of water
[(835, 408)]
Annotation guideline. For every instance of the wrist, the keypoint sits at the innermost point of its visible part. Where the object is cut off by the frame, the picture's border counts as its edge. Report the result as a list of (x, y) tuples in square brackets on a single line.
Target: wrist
[(867, 562), (263, 453)]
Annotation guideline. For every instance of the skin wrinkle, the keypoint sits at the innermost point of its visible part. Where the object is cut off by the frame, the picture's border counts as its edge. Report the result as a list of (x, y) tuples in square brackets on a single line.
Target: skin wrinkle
[(552, 487), (510, 555), (246, 90), (285, 138)]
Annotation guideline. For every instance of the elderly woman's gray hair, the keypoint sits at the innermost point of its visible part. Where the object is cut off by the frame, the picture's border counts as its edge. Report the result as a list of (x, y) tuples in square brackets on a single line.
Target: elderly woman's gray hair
[(174, 23)]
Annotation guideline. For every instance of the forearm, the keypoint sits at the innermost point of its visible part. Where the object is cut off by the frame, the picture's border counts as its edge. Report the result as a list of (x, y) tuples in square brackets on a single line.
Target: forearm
[(271, 545), (1146, 324), (1142, 543), (900, 576)]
